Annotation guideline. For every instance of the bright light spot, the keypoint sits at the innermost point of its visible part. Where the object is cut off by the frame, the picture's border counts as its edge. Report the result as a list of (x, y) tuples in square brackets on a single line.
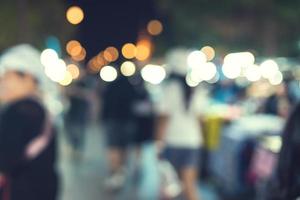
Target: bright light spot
[(154, 74), (128, 68), (231, 71), (56, 71), (268, 68), (108, 73), (143, 50), (276, 79), (81, 55), (111, 54), (67, 79), (215, 79), (96, 63), (209, 71), (252, 73), (191, 82), (73, 70), (75, 15), (48, 57), (209, 52), (242, 59), (155, 27), (204, 72), (75, 50), (129, 51), (196, 59), (235, 63), (195, 75)]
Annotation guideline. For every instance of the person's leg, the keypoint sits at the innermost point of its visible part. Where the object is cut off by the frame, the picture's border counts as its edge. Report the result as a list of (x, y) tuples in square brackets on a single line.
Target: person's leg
[(189, 181), (79, 136), (115, 159)]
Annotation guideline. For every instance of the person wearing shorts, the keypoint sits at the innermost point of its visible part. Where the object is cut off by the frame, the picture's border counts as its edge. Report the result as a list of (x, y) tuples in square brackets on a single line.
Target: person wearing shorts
[(179, 131)]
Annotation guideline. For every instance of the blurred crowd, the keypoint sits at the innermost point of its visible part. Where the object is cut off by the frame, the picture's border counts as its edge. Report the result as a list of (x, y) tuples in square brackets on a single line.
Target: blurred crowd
[(242, 138)]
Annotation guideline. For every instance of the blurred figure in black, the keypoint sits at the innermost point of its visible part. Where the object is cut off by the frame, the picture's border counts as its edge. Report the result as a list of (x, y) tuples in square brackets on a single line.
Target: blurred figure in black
[(127, 117), (286, 183), (78, 114), (144, 119), (27, 139)]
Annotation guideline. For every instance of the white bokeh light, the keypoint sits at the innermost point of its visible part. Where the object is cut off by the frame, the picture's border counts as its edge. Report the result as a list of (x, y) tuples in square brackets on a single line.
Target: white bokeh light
[(209, 71), (154, 74), (67, 79), (276, 78), (128, 68), (242, 59), (231, 71), (252, 73), (56, 71), (191, 82), (215, 79), (48, 57), (108, 73), (196, 59), (268, 68)]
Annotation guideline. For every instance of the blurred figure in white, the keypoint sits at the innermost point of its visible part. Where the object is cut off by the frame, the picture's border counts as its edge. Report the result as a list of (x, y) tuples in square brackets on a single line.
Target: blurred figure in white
[(179, 125)]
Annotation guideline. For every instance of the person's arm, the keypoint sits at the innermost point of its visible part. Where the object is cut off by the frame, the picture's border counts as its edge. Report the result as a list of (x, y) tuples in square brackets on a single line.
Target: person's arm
[(161, 124), (160, 130)]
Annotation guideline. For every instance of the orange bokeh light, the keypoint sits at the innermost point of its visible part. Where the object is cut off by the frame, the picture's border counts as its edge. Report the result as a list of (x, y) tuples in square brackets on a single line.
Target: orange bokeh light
[(129, 50), (143, 50), (111, 54), (74, 48), (209, 52), (81, 56), (155, 27)]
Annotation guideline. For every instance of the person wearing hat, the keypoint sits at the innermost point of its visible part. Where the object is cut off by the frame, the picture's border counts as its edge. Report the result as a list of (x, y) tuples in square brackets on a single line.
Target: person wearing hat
[(179, 131), (27, 139)]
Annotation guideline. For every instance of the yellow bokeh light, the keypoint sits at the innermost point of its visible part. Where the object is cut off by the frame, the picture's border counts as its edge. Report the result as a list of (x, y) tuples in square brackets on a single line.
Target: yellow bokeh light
[(111, 54), (75, 15), (128, 68), (209, 52), (129, 51), (154, 27), (67, 79), (74, 70)]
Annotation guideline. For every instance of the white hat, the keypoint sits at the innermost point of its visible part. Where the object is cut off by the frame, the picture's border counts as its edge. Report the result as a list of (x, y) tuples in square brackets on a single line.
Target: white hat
[(25, 58), (177, 61)]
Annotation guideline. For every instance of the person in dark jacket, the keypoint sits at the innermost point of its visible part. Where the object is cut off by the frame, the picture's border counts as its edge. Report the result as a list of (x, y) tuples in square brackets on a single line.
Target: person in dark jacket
[(27, 139), (285, 185)]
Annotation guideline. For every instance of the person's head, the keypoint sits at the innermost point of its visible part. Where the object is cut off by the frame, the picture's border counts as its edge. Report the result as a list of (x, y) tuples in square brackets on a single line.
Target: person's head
[(21, 73), (17, 85)]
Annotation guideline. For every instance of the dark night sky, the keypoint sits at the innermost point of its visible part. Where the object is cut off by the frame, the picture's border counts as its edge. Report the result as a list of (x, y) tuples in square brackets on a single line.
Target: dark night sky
[(112, 22)]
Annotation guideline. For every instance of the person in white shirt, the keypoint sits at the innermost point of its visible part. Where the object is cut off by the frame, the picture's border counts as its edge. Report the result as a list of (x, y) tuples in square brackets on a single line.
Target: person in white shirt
[(179, 127)]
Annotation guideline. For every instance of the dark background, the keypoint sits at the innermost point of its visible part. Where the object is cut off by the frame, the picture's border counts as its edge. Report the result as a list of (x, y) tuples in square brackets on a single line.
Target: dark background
[(265, 27)]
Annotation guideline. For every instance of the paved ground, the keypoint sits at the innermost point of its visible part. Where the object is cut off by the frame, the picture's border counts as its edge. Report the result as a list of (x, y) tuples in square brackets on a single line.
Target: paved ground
[(84, 179)]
